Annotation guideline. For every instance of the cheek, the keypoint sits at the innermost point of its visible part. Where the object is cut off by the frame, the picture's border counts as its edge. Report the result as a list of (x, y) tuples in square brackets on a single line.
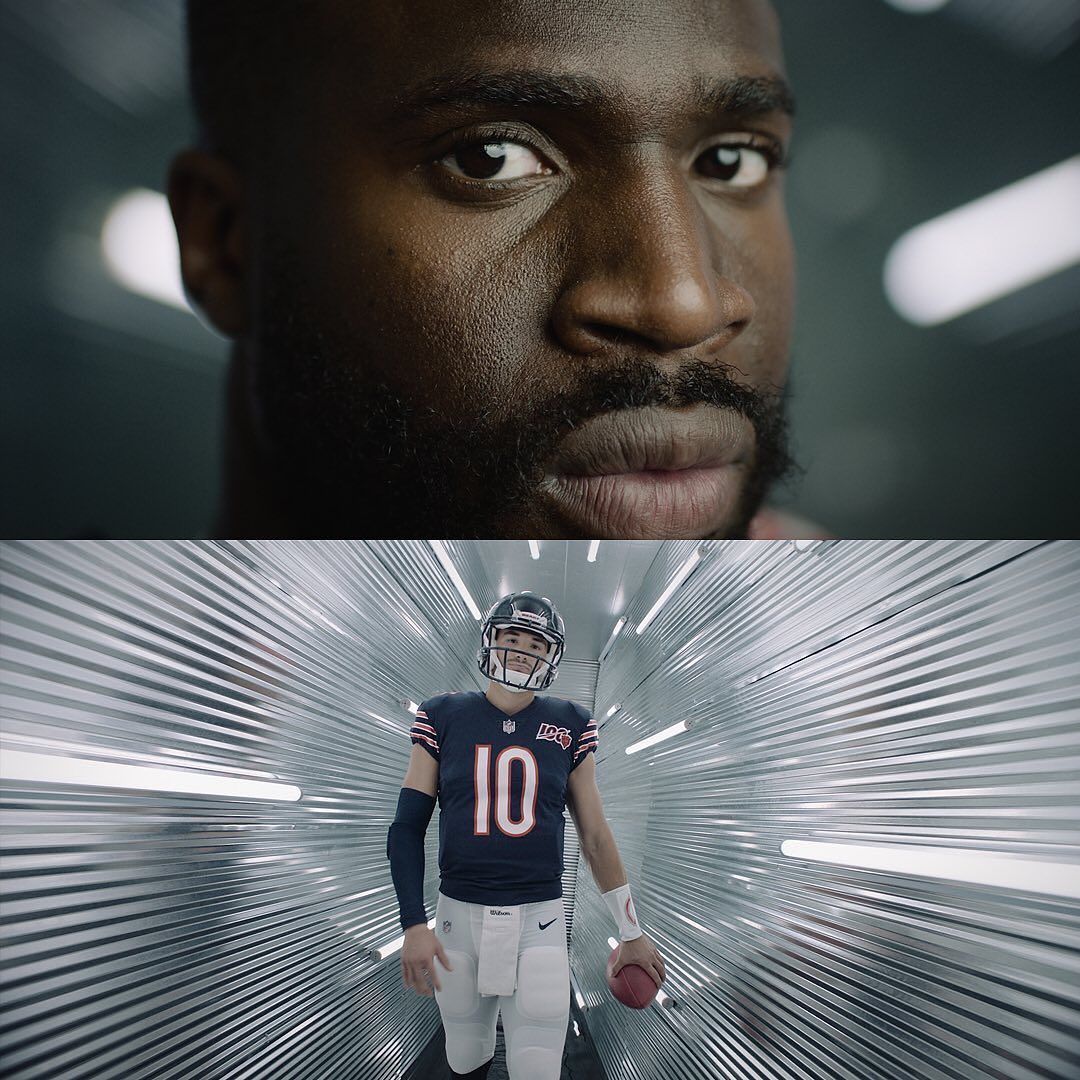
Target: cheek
[(756, 251), (443, 307)]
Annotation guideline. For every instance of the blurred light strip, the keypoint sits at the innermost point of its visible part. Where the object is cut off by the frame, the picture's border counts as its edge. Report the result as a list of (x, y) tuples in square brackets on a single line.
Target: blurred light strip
[(594, 547), (534, 549), (139, 246), (443, 556), (988, 248), (614, 634), (680, 576), (614, 708), (391, 947), (917, 7), (660, 736), (973, 867), (25, 766)]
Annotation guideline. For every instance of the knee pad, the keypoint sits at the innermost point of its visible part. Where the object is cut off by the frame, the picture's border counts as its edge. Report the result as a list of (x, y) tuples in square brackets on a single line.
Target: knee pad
[(543, 988), (469, 1037), (532, 1062), (476, 1074)]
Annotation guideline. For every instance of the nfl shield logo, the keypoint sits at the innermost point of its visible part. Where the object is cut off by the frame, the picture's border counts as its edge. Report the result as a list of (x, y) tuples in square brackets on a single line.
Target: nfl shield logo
[(509, 727), (446, 926)]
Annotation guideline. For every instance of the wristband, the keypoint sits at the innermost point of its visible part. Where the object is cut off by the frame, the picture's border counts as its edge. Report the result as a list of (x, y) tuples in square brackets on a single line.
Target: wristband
[(621, 906)]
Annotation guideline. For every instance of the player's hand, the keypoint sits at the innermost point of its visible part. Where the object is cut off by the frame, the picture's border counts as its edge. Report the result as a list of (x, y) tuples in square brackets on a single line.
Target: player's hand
[(418, 959), (641, 951)]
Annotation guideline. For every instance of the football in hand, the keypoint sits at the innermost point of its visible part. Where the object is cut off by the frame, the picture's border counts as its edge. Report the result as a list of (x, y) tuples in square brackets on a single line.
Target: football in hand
[(633, 986)]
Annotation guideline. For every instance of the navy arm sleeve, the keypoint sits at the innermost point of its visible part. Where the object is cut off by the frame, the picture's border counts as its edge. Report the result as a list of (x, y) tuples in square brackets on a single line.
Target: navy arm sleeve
[(405, 850)]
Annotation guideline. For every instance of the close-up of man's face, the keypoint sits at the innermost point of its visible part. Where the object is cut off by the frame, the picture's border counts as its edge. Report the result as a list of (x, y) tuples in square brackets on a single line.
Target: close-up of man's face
[(502, 270)]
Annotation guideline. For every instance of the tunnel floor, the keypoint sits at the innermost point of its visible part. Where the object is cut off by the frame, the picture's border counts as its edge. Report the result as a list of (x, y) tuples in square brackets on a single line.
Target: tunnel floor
[(579, 1056)]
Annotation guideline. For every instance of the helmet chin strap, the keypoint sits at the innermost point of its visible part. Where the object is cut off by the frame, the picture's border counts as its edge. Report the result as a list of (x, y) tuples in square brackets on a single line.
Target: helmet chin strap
[(503, 673)]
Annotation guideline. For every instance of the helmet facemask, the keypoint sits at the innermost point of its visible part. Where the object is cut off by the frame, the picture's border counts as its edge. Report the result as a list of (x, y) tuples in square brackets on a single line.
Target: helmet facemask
[(542, 668), (523, 612)]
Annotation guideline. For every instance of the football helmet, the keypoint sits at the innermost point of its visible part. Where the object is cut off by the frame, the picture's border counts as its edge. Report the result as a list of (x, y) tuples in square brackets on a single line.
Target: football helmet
[(522, 611)]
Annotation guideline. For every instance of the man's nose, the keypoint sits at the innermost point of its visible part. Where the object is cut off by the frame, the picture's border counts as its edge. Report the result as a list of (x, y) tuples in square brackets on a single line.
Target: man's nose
[(645, 274)]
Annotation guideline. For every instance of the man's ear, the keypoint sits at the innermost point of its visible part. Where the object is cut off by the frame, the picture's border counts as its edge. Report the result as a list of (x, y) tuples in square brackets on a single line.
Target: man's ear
[(206, 198)]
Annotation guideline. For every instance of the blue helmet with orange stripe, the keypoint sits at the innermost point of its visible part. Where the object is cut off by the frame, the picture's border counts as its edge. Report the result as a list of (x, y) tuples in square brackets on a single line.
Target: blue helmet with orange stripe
[(531, 613)]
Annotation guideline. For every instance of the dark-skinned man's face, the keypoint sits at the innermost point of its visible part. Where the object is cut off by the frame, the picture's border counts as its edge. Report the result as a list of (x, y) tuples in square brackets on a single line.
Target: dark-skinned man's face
[(519, 269)]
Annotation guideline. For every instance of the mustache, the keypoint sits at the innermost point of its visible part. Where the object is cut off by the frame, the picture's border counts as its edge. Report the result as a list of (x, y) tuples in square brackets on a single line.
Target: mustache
[(516, 450)]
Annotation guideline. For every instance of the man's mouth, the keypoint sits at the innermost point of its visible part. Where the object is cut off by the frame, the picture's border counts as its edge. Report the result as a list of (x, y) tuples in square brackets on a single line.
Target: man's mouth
[(655, 473)]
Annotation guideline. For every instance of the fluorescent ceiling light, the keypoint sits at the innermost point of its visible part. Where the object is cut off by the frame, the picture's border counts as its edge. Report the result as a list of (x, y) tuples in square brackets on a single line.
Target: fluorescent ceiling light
[(411, 706), (805, 545), (26, 766), (614, 634), (676, 581), (534, 549), (138, 244), (594, 547), (443, 556), (391, 947), (660, 736), (988, 248), (614, 709), (955, 864)]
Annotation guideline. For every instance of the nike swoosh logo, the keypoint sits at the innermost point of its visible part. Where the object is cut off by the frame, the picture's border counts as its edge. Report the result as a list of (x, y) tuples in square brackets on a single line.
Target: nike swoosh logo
[(545, 925)]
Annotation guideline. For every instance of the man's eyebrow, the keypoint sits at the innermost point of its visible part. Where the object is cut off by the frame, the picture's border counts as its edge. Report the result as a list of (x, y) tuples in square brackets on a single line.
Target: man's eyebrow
[(740, 95)]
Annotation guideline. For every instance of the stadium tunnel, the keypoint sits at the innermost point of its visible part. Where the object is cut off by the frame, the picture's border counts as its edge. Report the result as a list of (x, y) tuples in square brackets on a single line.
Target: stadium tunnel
[(842, 776)]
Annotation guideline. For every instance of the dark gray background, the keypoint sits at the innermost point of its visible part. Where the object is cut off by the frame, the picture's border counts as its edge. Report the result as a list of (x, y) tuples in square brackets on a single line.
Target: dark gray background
[(112, 402)]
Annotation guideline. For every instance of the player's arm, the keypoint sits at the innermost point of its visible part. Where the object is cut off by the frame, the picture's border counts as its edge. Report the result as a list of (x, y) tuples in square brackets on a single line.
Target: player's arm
[(602, 855), (405, 841), (405, 850), (597, 840)]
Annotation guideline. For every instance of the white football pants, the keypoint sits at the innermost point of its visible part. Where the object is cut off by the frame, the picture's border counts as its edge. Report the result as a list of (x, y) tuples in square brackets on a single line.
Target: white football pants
[(535, 1016)]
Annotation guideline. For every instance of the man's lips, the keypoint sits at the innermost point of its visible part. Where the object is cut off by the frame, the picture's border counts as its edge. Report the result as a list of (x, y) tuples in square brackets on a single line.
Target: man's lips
[(653, 473)]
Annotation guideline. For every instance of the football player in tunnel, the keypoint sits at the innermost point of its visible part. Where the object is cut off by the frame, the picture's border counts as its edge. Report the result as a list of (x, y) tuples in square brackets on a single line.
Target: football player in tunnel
[(503, 765)]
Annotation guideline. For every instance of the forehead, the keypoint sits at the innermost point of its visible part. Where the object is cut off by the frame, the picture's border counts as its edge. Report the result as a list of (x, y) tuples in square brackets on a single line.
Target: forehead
[(506, 631), (648, 51)]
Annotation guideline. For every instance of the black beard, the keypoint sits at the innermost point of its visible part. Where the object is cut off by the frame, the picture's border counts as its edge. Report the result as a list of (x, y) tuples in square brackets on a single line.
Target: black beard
[(353, 459), (349, 457)]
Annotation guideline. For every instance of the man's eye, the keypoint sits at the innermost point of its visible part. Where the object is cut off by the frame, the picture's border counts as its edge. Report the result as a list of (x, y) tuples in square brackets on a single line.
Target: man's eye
[(739, 166), (501, 160)]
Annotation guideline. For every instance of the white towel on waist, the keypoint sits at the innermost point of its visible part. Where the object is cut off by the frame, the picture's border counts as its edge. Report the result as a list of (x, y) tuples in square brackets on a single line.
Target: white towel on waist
[(496, 971)]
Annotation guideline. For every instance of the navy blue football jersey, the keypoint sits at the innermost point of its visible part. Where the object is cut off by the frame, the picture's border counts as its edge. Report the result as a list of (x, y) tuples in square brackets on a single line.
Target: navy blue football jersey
[(502, 792)]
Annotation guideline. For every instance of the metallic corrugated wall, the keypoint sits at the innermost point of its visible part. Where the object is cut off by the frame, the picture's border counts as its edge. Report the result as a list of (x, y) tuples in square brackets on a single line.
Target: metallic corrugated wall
[(897, 696), (185, 935)]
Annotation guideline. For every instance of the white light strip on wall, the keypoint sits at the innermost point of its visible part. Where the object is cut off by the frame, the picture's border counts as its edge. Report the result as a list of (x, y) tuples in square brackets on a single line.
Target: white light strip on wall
[(594, 547), (534, 549), (138, 245), (614, 634), (988, 248), (443, 556), (391, 947), (660, 736), (25, 766), (973, 867), (676, 581)]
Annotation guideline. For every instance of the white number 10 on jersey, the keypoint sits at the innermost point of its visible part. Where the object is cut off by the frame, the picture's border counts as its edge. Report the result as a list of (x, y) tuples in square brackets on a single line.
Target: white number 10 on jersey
[(507, 824)]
